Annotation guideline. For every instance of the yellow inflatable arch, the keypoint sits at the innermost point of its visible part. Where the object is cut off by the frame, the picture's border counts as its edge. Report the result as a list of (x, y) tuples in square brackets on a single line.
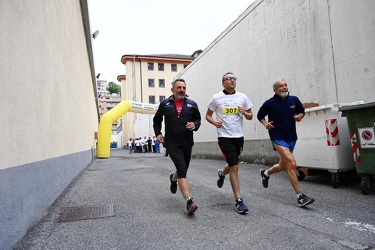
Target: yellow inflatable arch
[(105, 125)]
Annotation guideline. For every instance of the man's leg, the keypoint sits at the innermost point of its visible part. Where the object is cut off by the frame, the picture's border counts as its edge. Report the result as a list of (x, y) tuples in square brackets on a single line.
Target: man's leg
[(288, 164), (234, 181), (184, 186)]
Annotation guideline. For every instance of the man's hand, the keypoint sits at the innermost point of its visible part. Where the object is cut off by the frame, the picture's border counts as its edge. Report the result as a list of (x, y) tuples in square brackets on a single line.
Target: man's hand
[(298, 117), (190, 126), (269, 125), (160, 138)]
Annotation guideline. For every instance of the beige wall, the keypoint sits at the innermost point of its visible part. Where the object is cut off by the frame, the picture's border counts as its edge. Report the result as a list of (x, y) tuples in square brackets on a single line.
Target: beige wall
[(48, 107), (47, 96)]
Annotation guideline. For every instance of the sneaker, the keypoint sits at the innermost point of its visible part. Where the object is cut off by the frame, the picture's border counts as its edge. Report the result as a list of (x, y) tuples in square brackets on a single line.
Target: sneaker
[(264, 178), (191, 207), (304, 200), (220, 181), (241, 208), (173, 183)]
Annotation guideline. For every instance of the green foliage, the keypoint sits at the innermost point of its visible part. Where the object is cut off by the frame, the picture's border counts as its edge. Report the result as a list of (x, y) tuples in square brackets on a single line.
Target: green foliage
[(113, 88)]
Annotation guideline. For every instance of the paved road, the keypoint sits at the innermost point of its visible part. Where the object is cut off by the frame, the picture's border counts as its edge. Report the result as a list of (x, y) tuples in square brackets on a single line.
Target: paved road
[(148, 216)]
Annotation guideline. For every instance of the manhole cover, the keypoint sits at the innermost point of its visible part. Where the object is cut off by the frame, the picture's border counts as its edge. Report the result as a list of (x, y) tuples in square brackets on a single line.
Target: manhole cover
[(86, 213)]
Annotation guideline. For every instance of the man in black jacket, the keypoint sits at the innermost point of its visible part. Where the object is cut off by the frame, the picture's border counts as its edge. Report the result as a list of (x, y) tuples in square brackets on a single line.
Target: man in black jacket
[(182, 117)]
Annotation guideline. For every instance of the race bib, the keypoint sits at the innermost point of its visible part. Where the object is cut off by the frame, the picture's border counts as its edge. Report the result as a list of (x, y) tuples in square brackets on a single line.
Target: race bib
[(230, 110)]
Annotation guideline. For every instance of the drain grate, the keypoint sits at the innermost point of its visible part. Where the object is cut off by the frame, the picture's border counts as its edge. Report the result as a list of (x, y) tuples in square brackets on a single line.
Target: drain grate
[(86, 213)]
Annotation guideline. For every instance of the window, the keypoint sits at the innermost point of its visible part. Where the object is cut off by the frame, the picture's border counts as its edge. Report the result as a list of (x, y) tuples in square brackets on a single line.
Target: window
[(150, 66), (161, 83), (174, 67), (161, 66), (151, 99), (185, 65), (161, 98), (151, 83)]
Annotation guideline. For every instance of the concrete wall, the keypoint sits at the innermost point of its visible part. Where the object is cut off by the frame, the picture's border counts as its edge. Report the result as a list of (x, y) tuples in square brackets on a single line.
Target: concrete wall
[(325, 49), (48, 108)]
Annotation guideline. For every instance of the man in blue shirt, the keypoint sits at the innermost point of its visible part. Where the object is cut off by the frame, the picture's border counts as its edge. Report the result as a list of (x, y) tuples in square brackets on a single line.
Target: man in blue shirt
[(283, 111)]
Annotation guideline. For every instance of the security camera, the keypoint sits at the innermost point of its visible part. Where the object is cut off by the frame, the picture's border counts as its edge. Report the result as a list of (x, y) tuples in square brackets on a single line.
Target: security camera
[(95, 34)]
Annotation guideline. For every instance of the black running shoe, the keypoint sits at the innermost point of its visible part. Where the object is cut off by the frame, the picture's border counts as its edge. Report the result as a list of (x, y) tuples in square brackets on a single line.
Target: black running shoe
[(304, 200), (241, 208), (264, 178), (173, 183), (220, 181), (191, 207)]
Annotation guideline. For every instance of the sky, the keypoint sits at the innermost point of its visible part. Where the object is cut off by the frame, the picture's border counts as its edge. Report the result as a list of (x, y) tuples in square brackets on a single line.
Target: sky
[(147, 27)]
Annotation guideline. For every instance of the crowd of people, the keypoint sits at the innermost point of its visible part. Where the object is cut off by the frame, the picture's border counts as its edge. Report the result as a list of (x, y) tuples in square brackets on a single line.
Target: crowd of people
[(182, 117), (143, 145)]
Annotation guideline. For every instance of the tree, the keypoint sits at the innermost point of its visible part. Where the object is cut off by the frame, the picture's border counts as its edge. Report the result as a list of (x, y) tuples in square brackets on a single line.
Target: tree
[(113, 88)]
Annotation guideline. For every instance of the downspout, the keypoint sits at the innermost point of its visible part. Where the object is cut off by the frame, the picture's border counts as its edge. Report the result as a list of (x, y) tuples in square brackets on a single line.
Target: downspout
[(333, 53), (140, 75), (86, 27), (134, 81)]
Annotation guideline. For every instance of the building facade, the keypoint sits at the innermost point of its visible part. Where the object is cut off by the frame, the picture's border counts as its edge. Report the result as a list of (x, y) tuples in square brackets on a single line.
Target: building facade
[(148, 80), (106, 101)]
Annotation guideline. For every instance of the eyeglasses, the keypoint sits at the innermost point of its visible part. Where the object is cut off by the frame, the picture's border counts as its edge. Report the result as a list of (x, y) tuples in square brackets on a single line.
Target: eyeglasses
[(231, 78)]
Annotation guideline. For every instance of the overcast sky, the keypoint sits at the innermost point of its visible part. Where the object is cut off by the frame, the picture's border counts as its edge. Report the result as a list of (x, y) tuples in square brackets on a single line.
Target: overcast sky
[(155, 27)]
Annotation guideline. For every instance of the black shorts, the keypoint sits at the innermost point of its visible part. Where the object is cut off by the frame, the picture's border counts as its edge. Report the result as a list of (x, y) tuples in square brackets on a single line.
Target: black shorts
[(231, 149), (180, 156)]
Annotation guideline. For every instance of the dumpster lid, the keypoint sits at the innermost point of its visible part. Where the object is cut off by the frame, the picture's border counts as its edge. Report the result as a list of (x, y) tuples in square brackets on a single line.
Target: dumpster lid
[(354, 106), (333, 106)]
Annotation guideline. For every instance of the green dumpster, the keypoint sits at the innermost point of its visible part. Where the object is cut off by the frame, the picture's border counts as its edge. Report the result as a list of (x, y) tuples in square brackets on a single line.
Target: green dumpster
[(361, 123)]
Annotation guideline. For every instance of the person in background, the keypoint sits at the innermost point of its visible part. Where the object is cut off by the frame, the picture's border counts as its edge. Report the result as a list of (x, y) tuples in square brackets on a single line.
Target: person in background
[(181, 118), (153, 144), (157, 146), (130, 146), (231, 108), (283, 111), (149, 144)]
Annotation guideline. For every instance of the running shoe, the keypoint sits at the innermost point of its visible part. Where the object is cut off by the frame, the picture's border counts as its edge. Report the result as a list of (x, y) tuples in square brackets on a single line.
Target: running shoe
[(191, 207), (264, 178), (241, 208), (304, 200), (173, 183), (220, 181)]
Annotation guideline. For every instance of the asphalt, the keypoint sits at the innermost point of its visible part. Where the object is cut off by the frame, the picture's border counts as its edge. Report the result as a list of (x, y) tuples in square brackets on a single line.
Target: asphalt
[(148, 216)]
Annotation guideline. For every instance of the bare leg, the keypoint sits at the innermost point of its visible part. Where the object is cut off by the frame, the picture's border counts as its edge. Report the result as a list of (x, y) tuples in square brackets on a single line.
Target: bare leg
[(184, 186), (287, 163), (234, 181)]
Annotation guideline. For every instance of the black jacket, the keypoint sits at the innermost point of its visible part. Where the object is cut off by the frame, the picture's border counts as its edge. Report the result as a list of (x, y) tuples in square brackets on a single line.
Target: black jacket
[(176, 132)]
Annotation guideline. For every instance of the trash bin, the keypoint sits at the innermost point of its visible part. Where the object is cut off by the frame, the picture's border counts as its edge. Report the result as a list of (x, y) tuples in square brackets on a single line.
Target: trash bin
[(361, 123), (323, 142)]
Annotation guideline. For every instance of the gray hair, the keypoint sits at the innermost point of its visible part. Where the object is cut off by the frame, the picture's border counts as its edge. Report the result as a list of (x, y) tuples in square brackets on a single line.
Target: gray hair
[(177, 80), (275, 83)]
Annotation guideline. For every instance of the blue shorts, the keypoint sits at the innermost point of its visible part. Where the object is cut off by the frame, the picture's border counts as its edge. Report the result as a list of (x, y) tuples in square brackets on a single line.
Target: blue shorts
[(289, 144)]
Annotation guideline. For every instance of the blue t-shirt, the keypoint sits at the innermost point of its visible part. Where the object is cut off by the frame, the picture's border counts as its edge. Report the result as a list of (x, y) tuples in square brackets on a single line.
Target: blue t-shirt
[(281, 112)]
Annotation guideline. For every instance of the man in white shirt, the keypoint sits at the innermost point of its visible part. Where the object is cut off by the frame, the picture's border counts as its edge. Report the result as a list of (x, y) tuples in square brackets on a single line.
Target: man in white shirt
[(231, 107)]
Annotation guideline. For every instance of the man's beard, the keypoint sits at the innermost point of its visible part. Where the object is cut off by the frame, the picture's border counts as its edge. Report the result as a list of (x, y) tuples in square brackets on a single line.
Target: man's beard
[(283, 94), (181, 96)]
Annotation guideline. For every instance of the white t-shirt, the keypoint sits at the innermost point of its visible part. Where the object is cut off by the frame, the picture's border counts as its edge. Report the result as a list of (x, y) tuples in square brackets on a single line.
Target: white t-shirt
[(226, 109)]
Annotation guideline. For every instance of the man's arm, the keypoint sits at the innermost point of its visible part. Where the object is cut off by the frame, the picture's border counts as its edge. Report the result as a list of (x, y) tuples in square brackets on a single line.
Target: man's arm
[(211, 120), (157, 121), (248, 114)]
